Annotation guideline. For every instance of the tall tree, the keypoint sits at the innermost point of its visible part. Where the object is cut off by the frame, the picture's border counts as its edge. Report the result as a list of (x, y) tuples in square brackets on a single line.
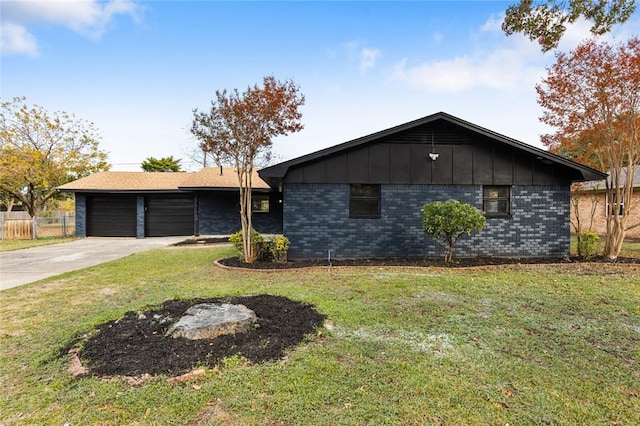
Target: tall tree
[(545, 21), (164, 164), (238, 129), (592, 97), (40, 151)]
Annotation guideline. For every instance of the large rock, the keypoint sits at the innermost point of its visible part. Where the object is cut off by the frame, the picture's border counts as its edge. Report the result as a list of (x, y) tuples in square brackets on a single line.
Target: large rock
[(209, 320)]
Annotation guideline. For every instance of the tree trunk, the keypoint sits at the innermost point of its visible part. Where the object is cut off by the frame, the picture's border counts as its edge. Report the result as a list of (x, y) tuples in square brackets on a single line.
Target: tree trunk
[(615, 237), (244, 179), (448, 256)]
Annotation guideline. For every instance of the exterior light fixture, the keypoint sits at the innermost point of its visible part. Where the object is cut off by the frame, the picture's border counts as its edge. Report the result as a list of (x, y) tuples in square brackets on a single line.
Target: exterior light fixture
[(433, 155)]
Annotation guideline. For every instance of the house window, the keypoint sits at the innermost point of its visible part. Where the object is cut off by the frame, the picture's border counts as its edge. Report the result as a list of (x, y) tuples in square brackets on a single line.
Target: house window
[(260, 203), (364, 201), (614, 207), (496, 201)]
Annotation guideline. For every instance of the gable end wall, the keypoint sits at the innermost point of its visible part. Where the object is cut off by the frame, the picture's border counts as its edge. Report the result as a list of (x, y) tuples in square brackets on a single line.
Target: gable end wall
[(316, 219)]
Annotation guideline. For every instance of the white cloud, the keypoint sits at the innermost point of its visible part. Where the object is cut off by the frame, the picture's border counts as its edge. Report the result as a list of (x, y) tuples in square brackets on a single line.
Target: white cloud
[(87, 17), (368, 58), (507, 68), (496, 62), (15, 39), (575, 34), (580, 31), (493, 24)]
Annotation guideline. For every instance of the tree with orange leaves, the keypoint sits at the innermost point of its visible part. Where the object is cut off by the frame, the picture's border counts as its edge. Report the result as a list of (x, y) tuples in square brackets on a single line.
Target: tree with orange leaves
[(592, 97), (238, 129)]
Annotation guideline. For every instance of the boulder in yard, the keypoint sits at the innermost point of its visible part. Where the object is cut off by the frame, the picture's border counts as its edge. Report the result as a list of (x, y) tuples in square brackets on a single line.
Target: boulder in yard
[(210, 320)]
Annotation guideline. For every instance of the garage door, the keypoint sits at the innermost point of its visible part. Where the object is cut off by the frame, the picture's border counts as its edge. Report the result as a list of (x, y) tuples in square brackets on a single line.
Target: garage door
[(111, 216), (168, 215)]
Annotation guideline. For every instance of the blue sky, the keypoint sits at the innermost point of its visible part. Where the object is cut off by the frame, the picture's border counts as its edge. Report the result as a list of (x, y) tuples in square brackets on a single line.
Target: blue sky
[(138, 69)]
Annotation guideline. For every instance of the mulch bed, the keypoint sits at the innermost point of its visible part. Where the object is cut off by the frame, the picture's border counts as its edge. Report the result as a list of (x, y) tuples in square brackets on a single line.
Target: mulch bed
[(136, 344), (198, 241), (234, 262)]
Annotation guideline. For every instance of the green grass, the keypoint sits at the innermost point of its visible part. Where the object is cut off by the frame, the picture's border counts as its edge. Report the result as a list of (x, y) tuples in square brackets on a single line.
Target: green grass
[(519, 345), (9, 245), (631, 248)]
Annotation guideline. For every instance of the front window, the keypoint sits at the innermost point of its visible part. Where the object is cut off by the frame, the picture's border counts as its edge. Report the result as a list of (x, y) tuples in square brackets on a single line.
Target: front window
[(613, 207), (496, 201), (364, 201), (260, 203)]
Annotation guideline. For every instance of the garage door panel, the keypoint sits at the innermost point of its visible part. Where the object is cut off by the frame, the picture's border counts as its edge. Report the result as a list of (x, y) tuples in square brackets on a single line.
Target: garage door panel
[(169, 215), (111, 216)]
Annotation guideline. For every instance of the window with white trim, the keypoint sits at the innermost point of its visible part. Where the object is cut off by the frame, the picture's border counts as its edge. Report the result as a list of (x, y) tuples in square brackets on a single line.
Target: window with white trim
[(614, 208)]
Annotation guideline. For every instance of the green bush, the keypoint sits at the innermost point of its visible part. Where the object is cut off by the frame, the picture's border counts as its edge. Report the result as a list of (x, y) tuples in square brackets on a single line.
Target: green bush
[(257, 241), (448, 221), (587, 244), (278, 248)]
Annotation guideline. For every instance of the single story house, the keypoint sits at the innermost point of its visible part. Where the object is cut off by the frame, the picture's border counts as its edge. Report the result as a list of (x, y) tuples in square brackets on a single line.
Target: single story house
[(591, 205), (363, 198), (153, 204)]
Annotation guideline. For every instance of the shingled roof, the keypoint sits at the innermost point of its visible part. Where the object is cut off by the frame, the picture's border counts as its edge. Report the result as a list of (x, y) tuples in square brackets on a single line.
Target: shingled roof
[(600, 185), (210, 177), (207, 178)]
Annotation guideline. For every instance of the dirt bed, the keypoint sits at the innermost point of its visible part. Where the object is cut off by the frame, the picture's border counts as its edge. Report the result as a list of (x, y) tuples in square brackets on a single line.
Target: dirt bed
[(136, 344), (425, 262)]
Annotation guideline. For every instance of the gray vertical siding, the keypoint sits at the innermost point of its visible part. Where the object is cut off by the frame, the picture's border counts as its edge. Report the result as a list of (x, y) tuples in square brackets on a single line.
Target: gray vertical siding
[(316, 219)]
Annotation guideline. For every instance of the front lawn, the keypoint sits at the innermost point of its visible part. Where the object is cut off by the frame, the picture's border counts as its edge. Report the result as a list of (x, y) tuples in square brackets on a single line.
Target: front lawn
[(540, 344), (9, 245)]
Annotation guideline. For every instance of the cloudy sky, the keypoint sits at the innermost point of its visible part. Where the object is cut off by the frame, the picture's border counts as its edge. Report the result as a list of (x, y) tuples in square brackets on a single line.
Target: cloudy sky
[(138, 69)]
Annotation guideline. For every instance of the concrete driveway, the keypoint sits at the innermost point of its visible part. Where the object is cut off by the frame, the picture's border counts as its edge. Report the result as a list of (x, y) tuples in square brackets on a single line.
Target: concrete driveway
[(25, 266)]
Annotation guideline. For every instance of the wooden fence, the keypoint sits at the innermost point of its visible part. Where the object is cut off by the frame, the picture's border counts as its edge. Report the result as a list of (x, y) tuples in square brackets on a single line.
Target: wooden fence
[(17, 228)]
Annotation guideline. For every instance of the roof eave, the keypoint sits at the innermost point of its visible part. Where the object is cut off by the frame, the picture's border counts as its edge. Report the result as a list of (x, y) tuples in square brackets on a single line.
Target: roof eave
[(219, 188), (118, 190)]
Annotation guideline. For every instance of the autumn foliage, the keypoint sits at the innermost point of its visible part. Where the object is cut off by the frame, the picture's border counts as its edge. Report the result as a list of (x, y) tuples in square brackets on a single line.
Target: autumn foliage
[(40, 151), (591, 96), (238, 129)]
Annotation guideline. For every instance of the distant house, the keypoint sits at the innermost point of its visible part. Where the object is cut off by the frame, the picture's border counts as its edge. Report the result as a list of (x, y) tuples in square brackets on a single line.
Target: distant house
[(363, 198), (591, 197), (152, 204)]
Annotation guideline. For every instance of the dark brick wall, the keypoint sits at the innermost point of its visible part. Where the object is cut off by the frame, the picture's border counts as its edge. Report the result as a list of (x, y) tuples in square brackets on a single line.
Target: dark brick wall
[(316, 219), (140, 216), (219, 214), (81, 215)]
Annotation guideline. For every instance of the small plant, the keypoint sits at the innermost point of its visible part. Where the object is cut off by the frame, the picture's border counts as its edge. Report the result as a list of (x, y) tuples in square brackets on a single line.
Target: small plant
[(256, 240), (234, 361), (587, 244), (448, 221), (278, 248)]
